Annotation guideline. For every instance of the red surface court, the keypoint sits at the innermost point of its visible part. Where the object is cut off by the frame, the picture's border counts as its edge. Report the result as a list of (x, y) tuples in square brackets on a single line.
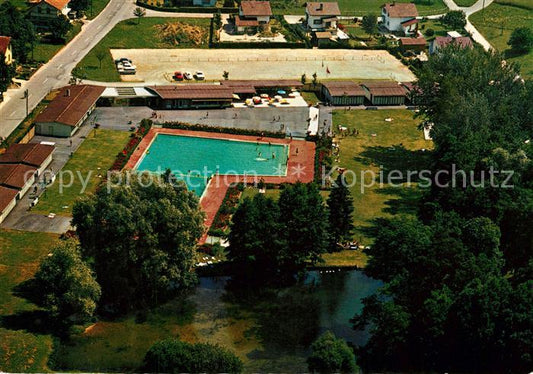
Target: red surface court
[(300, 166)]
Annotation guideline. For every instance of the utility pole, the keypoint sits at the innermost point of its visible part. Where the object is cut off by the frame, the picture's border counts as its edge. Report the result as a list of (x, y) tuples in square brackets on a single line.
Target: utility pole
[(26, 96)]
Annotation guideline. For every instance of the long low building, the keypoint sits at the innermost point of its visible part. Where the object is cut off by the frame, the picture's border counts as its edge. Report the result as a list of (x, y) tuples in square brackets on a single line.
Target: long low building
[(343, 93), (31, 154), (19, 177), (67, 111), (193, 96), (384, 93)]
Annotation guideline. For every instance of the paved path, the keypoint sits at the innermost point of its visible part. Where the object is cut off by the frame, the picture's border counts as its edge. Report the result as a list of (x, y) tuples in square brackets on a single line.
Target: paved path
[(56, 73)]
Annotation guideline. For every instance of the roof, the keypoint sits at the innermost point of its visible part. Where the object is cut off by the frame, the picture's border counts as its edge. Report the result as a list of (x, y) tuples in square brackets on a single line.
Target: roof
[(344, 88), (463, 41), (323, 9), (71, 104), (239, 22), (256, 8), (413, 41), (58, 4), (4, 43), (193, 91), (270, 83), (401, 10), (453, 34), (323, 35), (15, 176), (6, 196), (29, 154), (409, 22), (384, 88)]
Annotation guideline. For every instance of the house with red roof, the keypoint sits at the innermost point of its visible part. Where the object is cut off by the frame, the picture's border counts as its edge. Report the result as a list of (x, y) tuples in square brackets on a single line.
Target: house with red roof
[(253, 14), (322, 16), (453, 38), (400, 17), (42, 12), (5, 49)]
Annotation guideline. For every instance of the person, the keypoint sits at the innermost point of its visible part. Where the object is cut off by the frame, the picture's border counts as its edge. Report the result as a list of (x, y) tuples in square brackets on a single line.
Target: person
[(297, 150), (206, 114), (273, 155), (70, 143)]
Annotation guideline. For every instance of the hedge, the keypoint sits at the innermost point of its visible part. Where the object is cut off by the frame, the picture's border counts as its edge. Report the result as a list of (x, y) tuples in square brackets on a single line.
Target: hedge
[(187, 9), (123, 157), (265, 45), (221, 222), (226, 130)]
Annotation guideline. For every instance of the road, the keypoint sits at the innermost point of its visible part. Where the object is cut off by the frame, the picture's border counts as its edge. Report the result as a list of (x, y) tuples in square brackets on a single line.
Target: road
[(56, 72)]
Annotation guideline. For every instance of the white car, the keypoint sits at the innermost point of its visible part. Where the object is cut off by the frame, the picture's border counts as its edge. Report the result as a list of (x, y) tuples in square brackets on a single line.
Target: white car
[(199, 75), (187, 75)]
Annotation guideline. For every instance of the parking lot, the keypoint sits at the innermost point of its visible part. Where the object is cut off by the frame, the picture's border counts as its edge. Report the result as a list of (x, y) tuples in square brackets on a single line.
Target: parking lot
[(156, 66)]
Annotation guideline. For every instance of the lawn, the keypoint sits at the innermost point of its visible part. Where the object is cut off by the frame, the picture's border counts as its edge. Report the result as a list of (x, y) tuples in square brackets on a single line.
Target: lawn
[(498, 21), (465, 3), (356, 8), (394, 145), (43, 51), (94, 156), (97, 7), (129, 34), (20, 254), (438, 28)]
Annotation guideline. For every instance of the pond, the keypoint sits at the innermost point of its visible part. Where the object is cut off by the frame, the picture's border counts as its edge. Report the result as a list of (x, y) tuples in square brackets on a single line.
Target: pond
[(270, 329)]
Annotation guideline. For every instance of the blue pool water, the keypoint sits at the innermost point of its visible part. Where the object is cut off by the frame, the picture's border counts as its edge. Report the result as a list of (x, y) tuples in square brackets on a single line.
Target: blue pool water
[(194, 160)]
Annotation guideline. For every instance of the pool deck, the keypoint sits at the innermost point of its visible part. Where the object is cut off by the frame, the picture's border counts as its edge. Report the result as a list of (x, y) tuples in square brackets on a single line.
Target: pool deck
[(300, 166)]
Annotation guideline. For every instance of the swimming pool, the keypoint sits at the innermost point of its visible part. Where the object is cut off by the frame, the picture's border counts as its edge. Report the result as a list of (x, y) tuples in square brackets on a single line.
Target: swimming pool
[(195, 159)]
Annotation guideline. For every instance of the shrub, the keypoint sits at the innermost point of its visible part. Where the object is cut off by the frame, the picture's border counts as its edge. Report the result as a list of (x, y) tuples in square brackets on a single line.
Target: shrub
[(430, 32)]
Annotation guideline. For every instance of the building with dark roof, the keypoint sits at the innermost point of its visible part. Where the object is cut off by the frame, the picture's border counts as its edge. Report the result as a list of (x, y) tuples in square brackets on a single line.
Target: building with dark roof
[(384, 93), (253, 14), (443, 41), (19, 177), (8, 200), (343, 93), (322, 16), (413, 44), (31, 154), (194, 96), (67, 111), (400, 17)]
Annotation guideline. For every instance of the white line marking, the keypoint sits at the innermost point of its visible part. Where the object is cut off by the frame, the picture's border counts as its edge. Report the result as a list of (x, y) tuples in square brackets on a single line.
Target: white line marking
[(12, 113), (98, 27), (45, 80)]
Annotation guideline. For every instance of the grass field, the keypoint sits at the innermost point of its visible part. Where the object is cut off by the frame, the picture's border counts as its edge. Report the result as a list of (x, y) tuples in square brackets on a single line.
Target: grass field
[(43, 52), (95, 155), (465, 3), (128, 34), (432, 24), (97, 7), (20, 254), (394, 145), (498, 21), (356, 8)]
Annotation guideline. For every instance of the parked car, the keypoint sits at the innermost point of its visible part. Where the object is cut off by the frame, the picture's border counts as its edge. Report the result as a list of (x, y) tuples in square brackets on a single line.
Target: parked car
[(122, 60), (188, 75), (199, 75), (178, 76)]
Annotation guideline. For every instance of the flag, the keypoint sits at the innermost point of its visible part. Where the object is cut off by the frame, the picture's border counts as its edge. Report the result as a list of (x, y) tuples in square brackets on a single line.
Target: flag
[(327, 70)]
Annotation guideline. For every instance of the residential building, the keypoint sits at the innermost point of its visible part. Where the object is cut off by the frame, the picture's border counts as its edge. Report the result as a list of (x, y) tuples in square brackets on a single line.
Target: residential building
[(322, 16), (384, 93), (42, 12), (413, 44), (68, 110), (400, 17), (452, 38), (5, 49), (253, 14), (343, 93)]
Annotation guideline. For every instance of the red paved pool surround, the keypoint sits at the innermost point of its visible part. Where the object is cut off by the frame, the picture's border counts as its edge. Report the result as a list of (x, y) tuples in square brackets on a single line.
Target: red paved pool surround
[(300, 166)]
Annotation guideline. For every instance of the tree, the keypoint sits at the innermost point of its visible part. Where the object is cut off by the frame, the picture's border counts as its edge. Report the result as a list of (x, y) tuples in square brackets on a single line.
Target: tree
[(304, 220), (303, 79), (79, 5), (229, 3), (100, 54), (66, 283), (340, 212), (456, 19), (7, 72), (174, 356), (331, 355), (217, 20), (521, 40), (139, 13), (60, 26), (21, 31), (369, 23), (315, 79), (225, 75), (140, 235)]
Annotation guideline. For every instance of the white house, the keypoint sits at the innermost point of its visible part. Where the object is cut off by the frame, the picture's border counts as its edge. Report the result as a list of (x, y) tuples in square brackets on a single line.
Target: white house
[(253, 14), (400, 17), (322, 16)]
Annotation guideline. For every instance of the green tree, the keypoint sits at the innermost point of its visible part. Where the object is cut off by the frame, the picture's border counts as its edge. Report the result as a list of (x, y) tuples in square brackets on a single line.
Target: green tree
[(79, 5), (66, 283), (369, 23), (315, 79), (303, 79), (521, 40), (14, 24), (229, 3), (100, 54), (139, 13), (331, 355), (225, 75), (174, 356), (7, 72), (140, 234), (456, 19), (340, 212), (60, 26), (303, 217), (217, 20)]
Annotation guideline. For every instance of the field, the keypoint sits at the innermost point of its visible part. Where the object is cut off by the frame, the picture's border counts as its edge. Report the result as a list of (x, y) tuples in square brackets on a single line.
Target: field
[(356, 8), (95, 156), (128, 34), (43, 51), (21, 350), (395, 145), (498, 21), (465, 3)]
